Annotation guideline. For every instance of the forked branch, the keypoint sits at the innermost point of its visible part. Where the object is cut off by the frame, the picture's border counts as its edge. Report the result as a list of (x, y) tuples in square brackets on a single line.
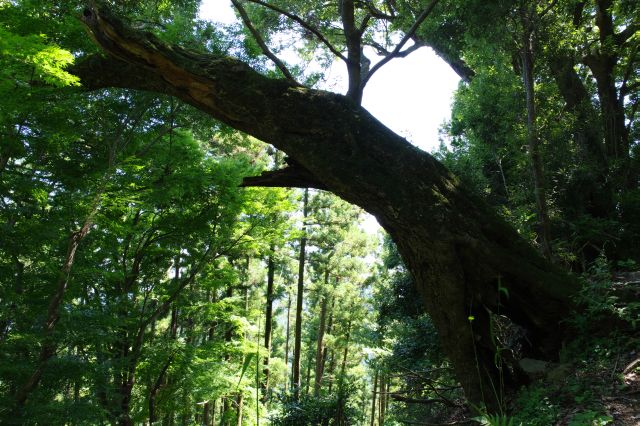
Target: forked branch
[(304, 24), (408, 36), (263, 46)]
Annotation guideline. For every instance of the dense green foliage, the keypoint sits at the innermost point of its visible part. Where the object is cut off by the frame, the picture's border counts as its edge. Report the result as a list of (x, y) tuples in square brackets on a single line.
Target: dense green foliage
[(137, 277)]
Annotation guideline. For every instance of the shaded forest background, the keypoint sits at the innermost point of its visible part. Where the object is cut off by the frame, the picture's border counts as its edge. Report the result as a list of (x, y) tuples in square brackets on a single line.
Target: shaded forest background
[(141, 283)]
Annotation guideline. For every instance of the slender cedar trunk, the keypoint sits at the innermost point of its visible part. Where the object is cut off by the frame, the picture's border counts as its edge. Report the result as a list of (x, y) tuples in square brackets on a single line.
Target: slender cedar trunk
[(343, 367), (387, 393), (341, 381), (307, 382), (297, 337), (325, 350), (456, 246), (320, 340), (226, 411), (381, 400), (245, 288), (240, 404), (374, 393), (206, 412), (332, 367), (268, 322), (286, 343), (228, 332), (258, 375), (228, 337), (214, 412), (544, 228)]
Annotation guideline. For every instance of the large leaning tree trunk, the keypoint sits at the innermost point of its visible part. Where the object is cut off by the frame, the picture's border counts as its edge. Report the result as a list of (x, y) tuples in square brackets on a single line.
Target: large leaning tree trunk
[(457, 248)]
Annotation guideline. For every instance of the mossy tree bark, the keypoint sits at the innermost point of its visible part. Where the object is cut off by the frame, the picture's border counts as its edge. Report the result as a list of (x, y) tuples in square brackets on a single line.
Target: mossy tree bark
[(457, 248)]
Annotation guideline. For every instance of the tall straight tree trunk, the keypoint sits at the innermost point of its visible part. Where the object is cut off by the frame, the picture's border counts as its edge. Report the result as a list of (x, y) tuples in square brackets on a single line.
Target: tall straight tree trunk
[(343, 372), (226, 410), (268, 322), (456, 246), (214, 412), (206, 412), (297, 339), (307, 382), (286, 344), (374, 393), (240, 403), (325, 350), (381, 400), (345, 354), (320, 340), (544, 228), (332, 367)]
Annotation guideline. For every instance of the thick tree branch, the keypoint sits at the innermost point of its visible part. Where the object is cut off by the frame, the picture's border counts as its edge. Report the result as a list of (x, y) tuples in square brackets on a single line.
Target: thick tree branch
[(364, 24), (353, 40), (454, 60), (263, 46), (292, 177)]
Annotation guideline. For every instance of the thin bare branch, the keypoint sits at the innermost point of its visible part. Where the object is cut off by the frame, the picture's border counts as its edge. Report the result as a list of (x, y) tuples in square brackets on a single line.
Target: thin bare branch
[(384, 52), (304, 24), (263, 46), (397, 51), (364, 24)]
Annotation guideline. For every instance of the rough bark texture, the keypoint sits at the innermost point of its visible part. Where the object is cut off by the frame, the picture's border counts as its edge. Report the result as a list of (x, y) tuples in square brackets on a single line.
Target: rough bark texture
[(455, 245), (268, 323), (374, 393), (320, 342), (297, 335)]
